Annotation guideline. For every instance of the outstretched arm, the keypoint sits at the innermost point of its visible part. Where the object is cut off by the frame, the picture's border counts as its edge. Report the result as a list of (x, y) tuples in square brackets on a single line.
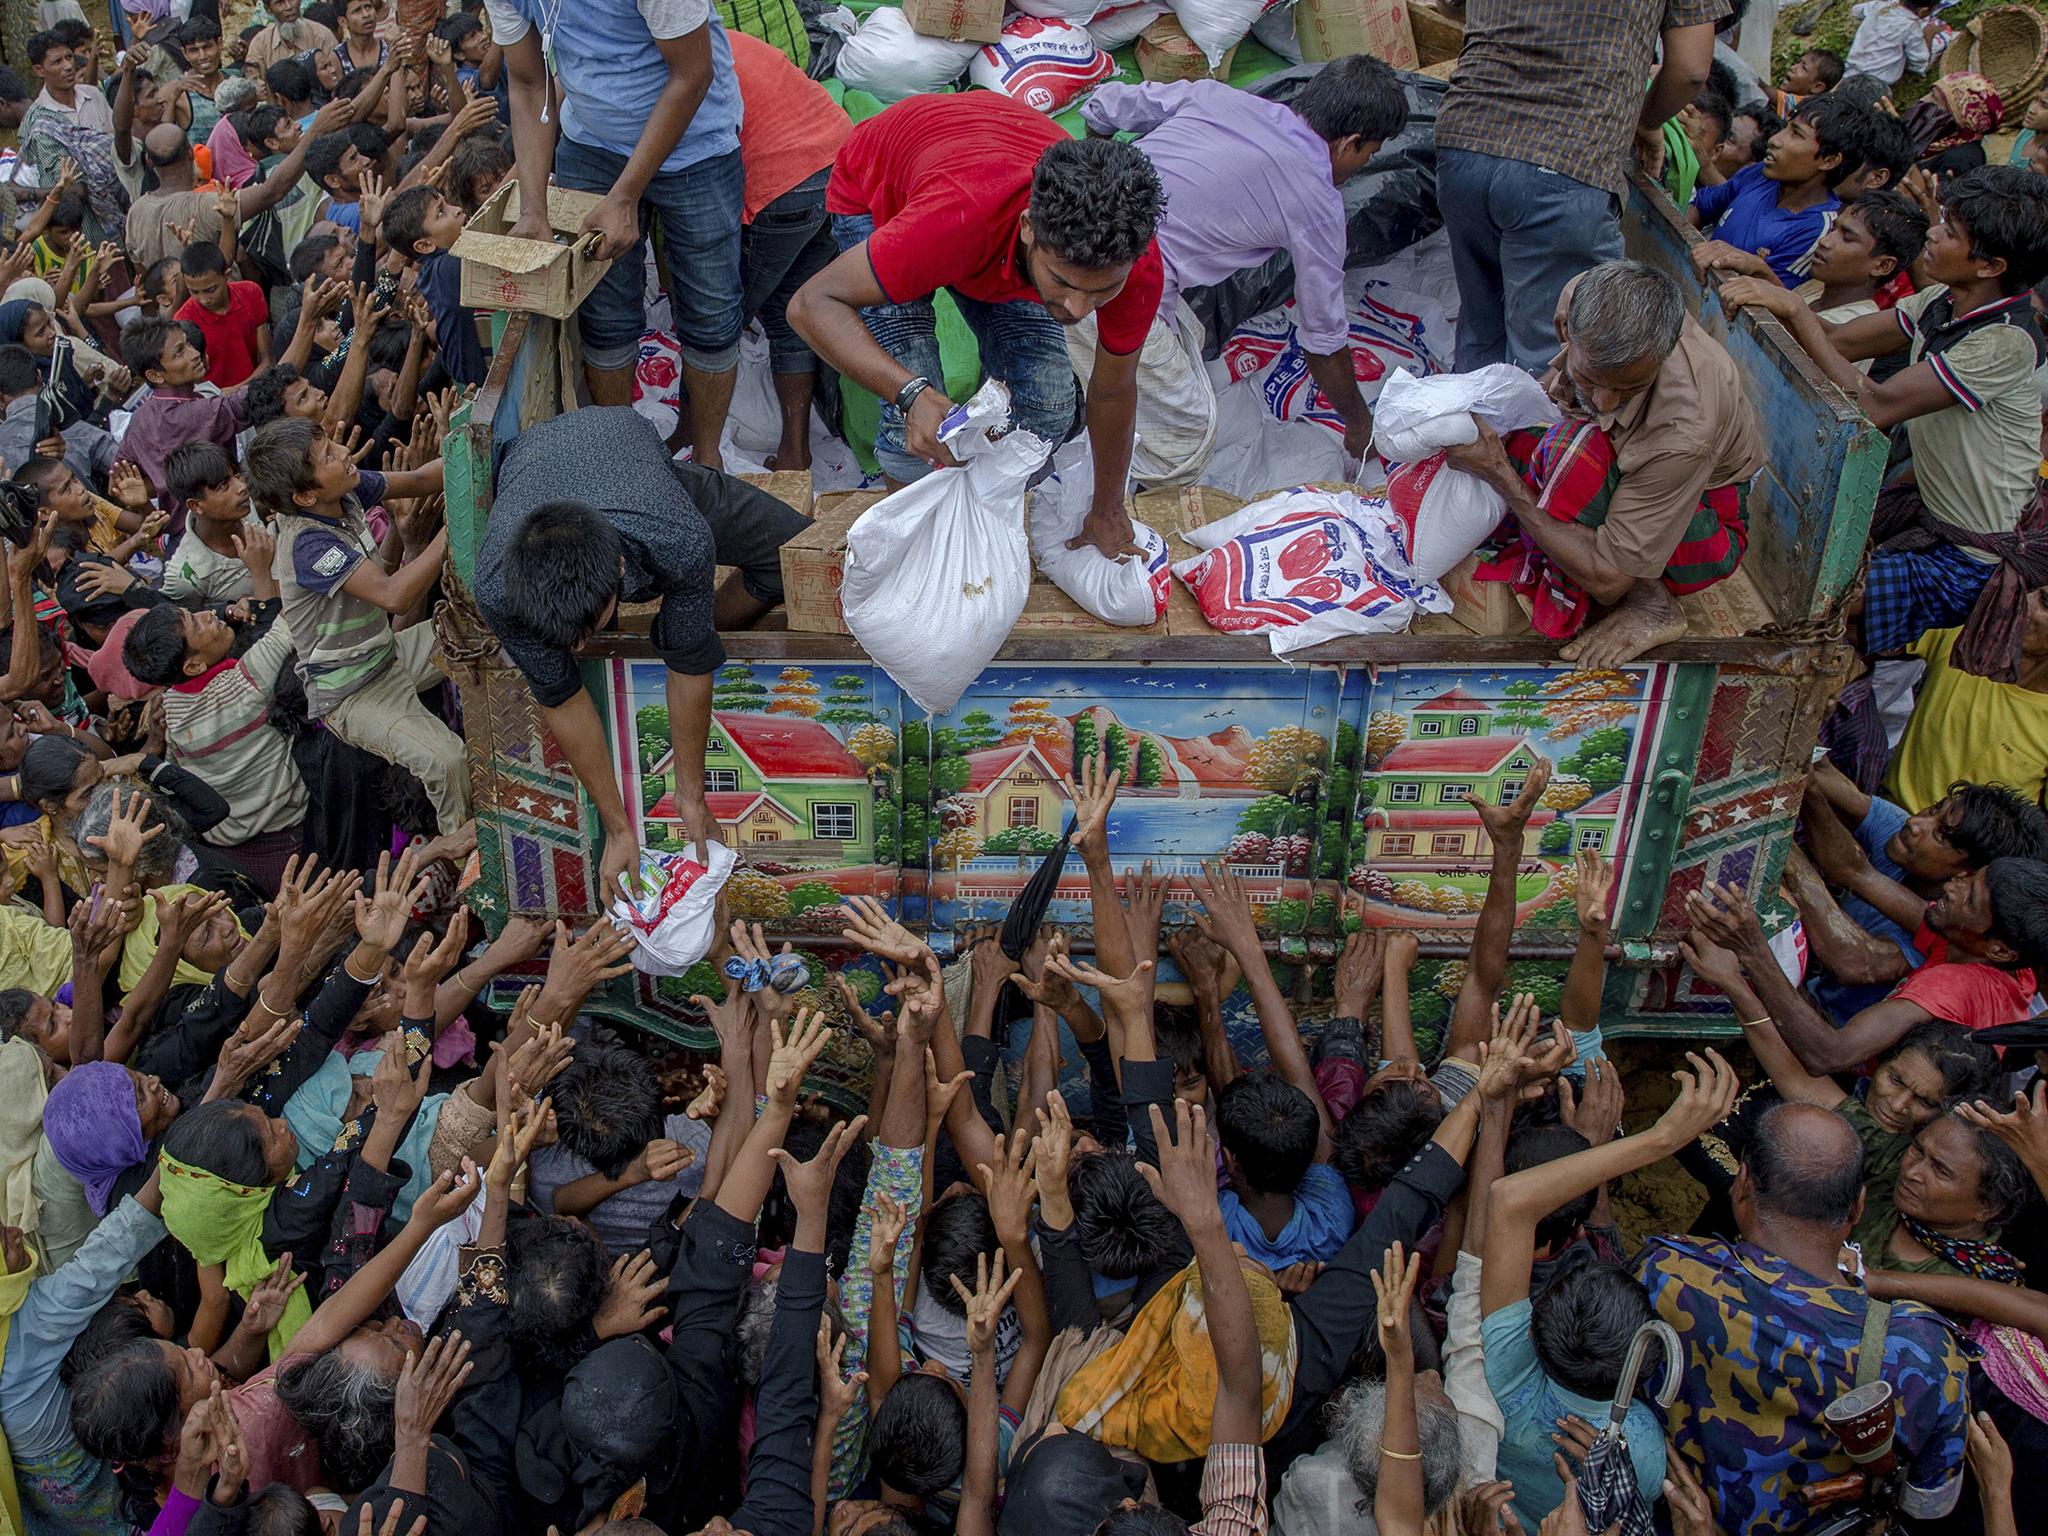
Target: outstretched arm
[(1486, 968)]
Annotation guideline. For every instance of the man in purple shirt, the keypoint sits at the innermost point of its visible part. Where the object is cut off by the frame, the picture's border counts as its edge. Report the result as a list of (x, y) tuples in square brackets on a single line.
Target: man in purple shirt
[(1246, 177)]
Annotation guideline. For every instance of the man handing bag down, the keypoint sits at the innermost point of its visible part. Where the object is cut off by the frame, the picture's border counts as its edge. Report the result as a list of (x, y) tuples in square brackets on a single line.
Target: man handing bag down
[(1031, 232), (1245, 177)]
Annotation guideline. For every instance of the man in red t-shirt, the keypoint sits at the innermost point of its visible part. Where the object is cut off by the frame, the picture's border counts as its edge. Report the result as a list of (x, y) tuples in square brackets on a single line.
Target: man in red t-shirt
[(234, 316), (1985, 938), (1030, 231)]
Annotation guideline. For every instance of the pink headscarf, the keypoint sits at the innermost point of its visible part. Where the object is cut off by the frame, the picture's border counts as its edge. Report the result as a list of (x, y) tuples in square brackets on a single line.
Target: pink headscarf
[(231, 162)]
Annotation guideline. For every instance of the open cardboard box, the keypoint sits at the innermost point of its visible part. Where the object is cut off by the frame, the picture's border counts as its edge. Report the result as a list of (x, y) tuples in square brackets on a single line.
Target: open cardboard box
[(538, 276), (814, 565)]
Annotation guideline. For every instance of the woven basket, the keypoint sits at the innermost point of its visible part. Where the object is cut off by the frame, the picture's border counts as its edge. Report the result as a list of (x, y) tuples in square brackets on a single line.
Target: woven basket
[(2008, 45)]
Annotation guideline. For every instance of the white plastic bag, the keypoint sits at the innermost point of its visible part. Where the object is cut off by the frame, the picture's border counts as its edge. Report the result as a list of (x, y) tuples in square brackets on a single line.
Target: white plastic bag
[(1043, 62), (675, 916), (937, 573), (889, 61), (1117, 25), (1129, 590), (1217, 26), (1445, 513), (1305, 566)]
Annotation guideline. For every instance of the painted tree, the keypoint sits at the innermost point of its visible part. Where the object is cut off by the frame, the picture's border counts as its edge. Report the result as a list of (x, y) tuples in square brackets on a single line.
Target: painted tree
[(978, 730), (1116, 749), (1286, 756), (848, 702), (1021, 840), (795, 694), (1520, 717), (1385, 731), (1565, 792), (754, 896), (1556, 839), (872, 746), (956, 847), (1086, 742), (1029, 720), (650, 730), (736, 688), (1151, 763)]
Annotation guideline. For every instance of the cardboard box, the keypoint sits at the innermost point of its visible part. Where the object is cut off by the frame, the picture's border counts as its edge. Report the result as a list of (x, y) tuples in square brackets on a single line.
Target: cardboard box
[(1330, 29), (789, 486), (1166, 52), (964, 21), (814, 565), (1437, 37), (538, 276), (1483, 607)]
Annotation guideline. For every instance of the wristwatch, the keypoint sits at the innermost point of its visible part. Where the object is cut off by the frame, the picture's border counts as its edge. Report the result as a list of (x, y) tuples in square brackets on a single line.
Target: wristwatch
[(910, 392)]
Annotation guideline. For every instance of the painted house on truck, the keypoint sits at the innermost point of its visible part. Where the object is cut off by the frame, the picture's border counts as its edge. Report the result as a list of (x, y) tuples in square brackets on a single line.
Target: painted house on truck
[(779, 780), (1419, 814)]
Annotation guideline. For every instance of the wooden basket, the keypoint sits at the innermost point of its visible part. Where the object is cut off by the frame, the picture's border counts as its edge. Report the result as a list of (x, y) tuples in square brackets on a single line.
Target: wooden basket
[(2007, 45)]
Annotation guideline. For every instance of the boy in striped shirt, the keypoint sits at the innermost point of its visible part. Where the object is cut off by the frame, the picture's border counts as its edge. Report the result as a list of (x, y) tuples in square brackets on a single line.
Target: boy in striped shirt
[(217, 715)]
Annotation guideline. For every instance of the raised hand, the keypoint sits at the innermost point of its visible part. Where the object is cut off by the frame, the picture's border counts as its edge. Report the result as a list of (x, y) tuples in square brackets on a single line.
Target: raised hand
[(885, 1232), (2024, 1127), (661, 1160), (632, 1299), (1595, 1112), (1011, 1184), (1226, 915), (1132, 992), (1595, 886), (1185, 1180), (521, 1119), (244, 1054), (836, 1394), (810, 1183), (128, 832), (1360, 969), (447, 1197), (1055, 1144), (394, 1088), (939, 1095), (1093, 792), (879, 1030), (792, 1055), (1504, 823), (267, 1300), (381, 917), (869, 925), (427, 1384), (986, 1301), (1706, 1093), (1393, 1286)]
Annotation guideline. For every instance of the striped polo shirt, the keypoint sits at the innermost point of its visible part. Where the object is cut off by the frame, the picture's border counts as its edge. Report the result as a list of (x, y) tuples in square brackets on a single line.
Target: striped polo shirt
[(344, 643), (218, 726)]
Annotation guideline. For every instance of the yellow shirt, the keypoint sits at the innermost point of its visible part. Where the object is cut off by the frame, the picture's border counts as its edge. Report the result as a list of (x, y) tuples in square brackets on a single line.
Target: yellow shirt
[(1966, 727)]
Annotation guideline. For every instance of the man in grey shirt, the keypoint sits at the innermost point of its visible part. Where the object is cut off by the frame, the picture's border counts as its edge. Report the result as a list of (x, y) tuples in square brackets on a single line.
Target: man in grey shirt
[(87, 449)]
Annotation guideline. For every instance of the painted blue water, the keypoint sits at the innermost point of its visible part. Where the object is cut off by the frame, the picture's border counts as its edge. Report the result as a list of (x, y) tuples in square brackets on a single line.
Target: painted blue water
[(1194, 828)]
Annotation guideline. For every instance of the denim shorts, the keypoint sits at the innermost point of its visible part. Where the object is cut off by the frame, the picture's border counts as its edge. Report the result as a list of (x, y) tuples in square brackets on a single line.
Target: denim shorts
[(697, 211), (1021, 344)]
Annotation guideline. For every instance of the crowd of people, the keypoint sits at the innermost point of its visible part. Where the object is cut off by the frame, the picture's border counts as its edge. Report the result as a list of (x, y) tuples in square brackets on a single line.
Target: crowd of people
[(325, 1209)]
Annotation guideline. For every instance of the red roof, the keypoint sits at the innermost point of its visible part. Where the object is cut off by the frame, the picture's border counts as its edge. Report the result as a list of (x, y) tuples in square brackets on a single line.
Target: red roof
[(1463, 754), (990, 764), (724, 806), (1438, 819), (789, 747), (1608, 804), (1457, 700)]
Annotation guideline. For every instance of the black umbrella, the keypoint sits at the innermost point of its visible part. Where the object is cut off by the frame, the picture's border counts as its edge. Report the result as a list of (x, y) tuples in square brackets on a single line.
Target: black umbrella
[(1020, 926)]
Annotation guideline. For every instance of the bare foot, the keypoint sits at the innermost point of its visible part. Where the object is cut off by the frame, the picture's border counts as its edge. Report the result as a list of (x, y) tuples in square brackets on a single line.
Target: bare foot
[(1646, 619)]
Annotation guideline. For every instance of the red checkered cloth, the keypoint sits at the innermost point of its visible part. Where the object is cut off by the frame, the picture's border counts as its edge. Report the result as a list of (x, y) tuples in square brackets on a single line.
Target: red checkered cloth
[(1571, 468)]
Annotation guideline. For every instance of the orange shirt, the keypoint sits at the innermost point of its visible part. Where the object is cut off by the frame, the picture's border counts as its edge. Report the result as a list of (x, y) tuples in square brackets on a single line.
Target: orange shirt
[(792, 128)]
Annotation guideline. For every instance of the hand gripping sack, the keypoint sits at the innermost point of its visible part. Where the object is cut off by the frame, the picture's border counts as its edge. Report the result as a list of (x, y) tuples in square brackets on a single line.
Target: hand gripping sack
[(937, 573), (1045, 63), (1129, 590), (1305, 566), (675, 915), (1445, 513)]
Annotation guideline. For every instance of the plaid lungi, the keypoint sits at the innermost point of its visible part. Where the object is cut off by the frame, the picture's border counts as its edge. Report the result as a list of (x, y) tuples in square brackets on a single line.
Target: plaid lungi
[(1571, 467), (1909, 592)]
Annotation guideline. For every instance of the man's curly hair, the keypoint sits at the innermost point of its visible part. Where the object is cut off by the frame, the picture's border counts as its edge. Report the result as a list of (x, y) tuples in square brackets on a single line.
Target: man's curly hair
[(1095, 202)]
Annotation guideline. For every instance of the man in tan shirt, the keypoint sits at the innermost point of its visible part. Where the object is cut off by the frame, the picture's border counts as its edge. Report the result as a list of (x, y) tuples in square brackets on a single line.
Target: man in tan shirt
[(288, 35), (1639, 493)]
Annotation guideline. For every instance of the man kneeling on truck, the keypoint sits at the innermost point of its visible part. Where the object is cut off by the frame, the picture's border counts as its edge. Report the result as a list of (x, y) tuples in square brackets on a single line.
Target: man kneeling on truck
[(554, 568), (1637, 495)]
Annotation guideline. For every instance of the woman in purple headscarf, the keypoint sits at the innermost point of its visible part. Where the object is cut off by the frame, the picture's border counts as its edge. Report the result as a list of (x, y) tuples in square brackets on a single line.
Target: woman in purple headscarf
[(101, 1121)]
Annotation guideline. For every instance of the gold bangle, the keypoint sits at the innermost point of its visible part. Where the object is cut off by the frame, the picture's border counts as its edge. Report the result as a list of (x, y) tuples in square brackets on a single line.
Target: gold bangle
[(1754, 1023), (1401, 1455)]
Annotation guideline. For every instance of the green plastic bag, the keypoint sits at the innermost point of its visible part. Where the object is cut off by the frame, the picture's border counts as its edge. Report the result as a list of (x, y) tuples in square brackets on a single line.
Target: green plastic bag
[(778, 23)]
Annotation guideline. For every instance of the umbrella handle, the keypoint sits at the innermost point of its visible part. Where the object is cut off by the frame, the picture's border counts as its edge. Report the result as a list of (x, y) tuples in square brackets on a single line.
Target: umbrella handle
[(1654, 1331)]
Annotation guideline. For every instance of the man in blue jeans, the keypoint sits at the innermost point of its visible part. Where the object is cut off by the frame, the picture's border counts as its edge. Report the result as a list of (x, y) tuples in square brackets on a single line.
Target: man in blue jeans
[(1532, 150), (650, 114), (1031, 232)]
